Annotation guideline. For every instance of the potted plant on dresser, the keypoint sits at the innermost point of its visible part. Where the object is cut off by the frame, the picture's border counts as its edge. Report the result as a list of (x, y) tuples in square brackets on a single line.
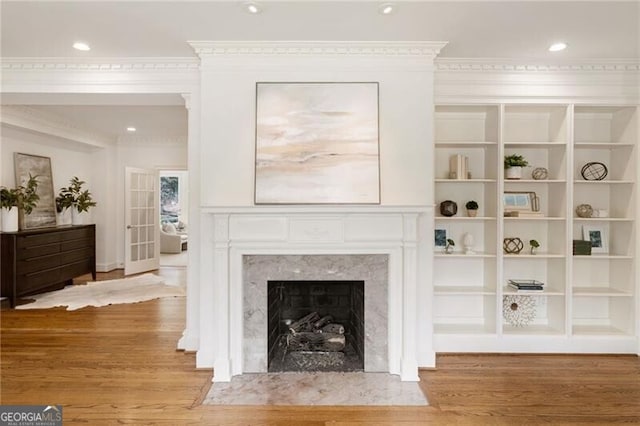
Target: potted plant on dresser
[(513, 165), (17, 202), (80, 200)]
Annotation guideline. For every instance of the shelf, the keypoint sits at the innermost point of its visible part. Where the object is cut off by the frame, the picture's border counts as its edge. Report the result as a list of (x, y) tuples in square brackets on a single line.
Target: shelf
[(604, 182), (597, 330), (536, 181), (467, 256), (602, 145), (530, 329), (600, 292), (463, 291), (465, 181), (464, 144), (603, 219), (541, 218), (534, 256), (548, 291), (465, 218), (473, 329), (602, 257), (533, 144)]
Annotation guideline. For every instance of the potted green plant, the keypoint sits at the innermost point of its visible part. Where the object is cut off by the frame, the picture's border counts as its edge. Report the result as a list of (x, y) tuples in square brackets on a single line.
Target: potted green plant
[(513, 165), (24, 198), (534, 246), (449, 247), (78, 199), (472, 208)]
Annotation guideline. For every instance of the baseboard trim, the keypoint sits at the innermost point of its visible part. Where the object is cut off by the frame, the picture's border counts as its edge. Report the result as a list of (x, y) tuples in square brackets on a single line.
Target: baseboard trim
[(106, 267)]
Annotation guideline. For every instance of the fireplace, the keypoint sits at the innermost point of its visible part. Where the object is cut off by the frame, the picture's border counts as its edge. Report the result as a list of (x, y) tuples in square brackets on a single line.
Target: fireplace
[(315, 325), (386, 247)]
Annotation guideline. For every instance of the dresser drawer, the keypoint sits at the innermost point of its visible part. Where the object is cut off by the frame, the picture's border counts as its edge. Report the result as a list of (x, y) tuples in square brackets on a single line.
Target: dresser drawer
[(27, 241), (76, 244), (41, 263), (75, 255), (35, 281), (75, 269), (37, 251)]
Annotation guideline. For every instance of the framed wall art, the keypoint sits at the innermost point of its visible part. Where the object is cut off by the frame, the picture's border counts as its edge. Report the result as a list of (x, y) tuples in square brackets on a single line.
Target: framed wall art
[(44, 214), (317, 143)]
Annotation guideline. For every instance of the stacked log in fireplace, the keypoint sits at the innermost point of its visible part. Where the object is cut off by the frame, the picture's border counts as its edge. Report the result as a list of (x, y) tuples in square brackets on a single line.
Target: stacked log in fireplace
[(314, 333)]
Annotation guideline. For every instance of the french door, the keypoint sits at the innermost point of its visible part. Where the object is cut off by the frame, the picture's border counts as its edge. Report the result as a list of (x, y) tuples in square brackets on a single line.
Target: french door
[(142, 233)]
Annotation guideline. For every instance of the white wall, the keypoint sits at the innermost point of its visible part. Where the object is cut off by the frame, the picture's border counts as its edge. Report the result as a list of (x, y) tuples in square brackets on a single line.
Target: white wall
[(147, 155), (228, 120), (68, 159)]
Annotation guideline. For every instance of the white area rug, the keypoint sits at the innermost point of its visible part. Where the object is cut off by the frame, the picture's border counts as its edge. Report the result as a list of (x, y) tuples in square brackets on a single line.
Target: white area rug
[(102, 293), (316, 389)]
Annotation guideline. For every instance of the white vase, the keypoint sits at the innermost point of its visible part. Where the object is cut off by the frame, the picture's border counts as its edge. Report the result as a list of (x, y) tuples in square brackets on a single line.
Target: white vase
[(77, 218), (9, 219), (64, 217), (514, 172)]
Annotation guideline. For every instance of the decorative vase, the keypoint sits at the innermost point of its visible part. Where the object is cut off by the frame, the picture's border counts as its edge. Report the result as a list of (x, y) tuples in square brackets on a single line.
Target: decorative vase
[(513, 172), (472, 212), (77, 218), (468, 242), (10, 219), (64, 217)]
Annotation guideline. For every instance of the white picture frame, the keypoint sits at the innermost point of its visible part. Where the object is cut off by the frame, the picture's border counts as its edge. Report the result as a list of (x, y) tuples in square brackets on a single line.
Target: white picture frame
[(599, 238)]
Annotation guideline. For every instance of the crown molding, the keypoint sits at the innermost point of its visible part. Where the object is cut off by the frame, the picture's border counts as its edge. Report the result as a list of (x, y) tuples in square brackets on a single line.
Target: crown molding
[(100, 64), (32, 119), (428, 49), (509, 65)]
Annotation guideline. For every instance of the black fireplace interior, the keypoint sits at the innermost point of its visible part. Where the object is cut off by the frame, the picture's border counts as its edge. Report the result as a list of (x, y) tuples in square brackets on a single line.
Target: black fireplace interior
[(341, 302)]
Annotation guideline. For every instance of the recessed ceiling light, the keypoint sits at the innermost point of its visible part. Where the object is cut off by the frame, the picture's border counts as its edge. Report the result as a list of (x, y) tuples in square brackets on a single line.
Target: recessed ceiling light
[(78, 45), (556, 47), (252, 7), (131, 129), (387, 8)]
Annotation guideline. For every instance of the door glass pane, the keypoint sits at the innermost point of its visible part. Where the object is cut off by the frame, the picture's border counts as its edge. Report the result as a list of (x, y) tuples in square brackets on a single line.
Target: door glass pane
[(134, 199), (151, 250), (143, 252), (134, 180), (142, 215), (143, 234), (134, 217), (150, 236), (134, 253), (151, 182), (134, 235), (150, 199)]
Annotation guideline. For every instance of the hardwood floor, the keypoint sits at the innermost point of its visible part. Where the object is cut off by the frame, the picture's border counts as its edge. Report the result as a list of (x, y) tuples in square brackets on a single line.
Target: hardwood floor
[(117, 365)]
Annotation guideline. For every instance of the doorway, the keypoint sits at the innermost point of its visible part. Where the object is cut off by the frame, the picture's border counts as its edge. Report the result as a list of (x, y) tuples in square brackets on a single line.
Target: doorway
[(174, 214)]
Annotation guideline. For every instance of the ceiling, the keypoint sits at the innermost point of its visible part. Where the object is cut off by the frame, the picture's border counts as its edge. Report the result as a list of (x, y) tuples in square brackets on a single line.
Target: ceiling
[(520, 30)]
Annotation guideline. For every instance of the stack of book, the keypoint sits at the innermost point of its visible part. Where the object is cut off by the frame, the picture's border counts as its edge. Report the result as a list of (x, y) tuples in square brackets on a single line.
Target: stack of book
[(526, 285)]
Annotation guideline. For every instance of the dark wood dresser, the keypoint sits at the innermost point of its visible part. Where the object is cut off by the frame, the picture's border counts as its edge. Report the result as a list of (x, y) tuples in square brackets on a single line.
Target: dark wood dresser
[(39, 260)]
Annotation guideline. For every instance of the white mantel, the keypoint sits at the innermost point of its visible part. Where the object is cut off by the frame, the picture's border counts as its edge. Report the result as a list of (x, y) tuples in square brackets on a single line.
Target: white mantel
[(400, 232)]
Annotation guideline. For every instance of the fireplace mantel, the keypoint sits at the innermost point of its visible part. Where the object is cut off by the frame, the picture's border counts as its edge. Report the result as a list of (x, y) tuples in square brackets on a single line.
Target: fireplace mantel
[(229, 233)]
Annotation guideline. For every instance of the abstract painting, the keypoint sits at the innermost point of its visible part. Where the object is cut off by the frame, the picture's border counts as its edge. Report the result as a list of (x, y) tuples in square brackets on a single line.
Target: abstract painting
[(317, 143), (44, 214)]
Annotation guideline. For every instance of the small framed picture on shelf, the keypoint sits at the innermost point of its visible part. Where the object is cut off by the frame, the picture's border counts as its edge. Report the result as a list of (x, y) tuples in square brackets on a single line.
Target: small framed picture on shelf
[(520, 201), (598, 237), (440, 239)]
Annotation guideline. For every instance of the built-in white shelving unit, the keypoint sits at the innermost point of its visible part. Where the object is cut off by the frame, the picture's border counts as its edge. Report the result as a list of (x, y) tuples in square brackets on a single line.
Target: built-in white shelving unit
[(589, 302)]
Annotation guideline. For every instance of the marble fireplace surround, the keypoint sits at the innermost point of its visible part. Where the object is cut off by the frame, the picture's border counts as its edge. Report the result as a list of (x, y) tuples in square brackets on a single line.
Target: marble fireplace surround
[(394, 238), (370, 268)]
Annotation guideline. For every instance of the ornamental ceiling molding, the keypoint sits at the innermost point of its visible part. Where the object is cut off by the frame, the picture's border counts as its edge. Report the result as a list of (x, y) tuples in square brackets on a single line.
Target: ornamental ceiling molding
[(36, 120), (100, 64), (318, 48), (505, 65)]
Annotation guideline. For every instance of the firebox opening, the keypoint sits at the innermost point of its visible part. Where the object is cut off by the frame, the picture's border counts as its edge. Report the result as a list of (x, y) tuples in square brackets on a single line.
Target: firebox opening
[(315, 326)]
